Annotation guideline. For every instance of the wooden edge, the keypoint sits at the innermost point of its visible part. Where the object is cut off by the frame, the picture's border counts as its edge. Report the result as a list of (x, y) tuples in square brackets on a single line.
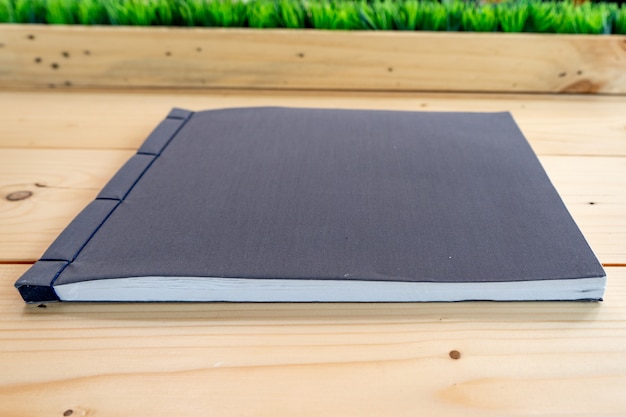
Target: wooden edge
[(102, 57)]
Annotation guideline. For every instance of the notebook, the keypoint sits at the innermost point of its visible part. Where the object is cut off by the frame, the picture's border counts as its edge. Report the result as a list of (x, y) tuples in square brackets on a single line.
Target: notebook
[(319, 205)]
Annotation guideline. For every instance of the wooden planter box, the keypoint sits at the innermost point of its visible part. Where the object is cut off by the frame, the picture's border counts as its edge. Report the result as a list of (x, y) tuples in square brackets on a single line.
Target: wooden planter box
[(122, 57)]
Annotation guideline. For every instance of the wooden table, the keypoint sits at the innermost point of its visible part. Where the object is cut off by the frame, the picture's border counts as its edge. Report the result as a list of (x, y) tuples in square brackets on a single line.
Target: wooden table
[(468, 359)]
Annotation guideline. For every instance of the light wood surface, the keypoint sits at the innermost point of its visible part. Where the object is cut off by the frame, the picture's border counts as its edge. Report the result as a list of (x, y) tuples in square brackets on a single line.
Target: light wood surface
[(554, 124), (516, 359), (75, 56)]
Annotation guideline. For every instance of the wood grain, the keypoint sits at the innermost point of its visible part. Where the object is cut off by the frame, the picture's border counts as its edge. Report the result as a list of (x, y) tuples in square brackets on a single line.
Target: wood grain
[(62, 183), (555, 125), (594, 191), (70, 56), (516, 359)]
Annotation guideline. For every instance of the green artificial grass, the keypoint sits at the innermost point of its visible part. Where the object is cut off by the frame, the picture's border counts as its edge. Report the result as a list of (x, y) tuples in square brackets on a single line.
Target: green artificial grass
[(445, 15)]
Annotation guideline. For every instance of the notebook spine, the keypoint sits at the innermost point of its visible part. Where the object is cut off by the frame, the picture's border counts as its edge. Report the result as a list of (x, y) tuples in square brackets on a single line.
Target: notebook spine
[(164, 132), (37, 284), (34, 285), (120, 185)]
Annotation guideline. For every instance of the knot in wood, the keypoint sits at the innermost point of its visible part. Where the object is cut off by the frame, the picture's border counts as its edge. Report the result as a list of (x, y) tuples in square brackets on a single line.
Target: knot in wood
[(19, 195)]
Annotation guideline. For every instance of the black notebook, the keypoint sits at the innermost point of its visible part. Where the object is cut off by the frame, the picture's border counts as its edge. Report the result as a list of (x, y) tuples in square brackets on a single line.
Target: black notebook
[(312, 205)]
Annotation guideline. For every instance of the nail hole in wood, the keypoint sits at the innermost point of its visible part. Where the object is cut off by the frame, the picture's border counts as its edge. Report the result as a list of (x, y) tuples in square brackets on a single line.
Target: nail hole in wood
[(65, 54), (38, 60), (67, 413), (455, 354), (31, 37), (54, 66)]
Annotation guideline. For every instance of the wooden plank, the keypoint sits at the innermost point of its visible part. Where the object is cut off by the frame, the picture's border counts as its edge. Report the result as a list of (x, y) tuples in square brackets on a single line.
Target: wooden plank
[(555, 125), (594, 191), (516, 359), (69, 179), (71, 56), (62, 183)]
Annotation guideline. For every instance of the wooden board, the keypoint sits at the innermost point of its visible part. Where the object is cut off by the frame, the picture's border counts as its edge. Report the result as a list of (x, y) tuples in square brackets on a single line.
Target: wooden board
[(516, 359), (75, 56), (555, 125), (62, 183)]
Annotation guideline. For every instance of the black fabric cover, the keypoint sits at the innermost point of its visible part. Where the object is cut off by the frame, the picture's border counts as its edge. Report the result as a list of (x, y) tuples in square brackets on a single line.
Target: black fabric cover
[(327, 194)]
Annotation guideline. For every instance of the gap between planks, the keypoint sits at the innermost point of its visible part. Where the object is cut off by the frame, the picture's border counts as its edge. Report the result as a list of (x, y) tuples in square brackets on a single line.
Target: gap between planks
[(554, 125)]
